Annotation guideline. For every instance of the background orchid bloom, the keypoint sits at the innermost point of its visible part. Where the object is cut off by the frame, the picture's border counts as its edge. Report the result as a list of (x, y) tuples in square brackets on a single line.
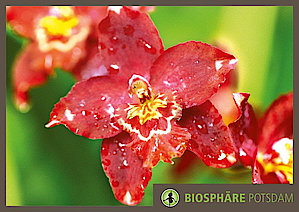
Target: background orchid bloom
[(50, 167), (58, 37), (274, 156), (266, 145)]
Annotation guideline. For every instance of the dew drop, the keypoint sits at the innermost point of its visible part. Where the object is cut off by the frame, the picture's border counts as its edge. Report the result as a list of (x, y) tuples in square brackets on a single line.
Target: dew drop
[(124, 165), (202, 127), (85, 112), (129, 30), (102, 46), (96, 116), (113, 69), (148, 48), (114, 152), (104, 151), (114, 39), (112, 50), (106, 162), (115, 183), (121, 145), (194, 136)]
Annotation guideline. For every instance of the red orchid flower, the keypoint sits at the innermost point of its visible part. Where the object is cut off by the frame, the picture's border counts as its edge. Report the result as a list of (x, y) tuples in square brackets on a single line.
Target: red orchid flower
[(60, 37), (266, 145), (154, 108)]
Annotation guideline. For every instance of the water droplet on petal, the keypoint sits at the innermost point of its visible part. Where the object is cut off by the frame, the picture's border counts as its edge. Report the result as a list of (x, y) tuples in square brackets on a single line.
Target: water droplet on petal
[(202, 127), (124, 165), (148, 48), (104, 151), (112, 50), (97, 116), (102, 46), (106, 162), (114, 39), (85, 112), (113, 69), (115, 183)]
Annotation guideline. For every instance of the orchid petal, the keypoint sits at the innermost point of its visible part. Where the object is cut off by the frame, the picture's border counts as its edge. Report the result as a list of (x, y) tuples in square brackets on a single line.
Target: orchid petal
[(129, 42), (274, 158), (30, 70), (193, 71), (161, 147), (127, 177), (277, 122), (89, 108), (210, 137), (244, 130), (24, 19), (185, 163)]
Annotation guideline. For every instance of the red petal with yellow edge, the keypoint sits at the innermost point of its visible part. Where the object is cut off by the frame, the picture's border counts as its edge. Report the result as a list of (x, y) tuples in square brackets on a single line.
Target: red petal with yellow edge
[(30, 70), (90, 106), (244, 130), (127, 177), (192, 70), (210, 137), (24, 19), (129, 42)]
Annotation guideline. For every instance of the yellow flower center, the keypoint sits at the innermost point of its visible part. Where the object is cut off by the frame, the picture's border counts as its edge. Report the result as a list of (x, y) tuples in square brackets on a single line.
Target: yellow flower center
[(147, 110), (61, 24), (283, 163), (160, 107)]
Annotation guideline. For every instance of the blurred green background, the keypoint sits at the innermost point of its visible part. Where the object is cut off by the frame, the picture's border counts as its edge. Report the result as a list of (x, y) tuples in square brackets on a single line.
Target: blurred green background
[(56, 167)]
